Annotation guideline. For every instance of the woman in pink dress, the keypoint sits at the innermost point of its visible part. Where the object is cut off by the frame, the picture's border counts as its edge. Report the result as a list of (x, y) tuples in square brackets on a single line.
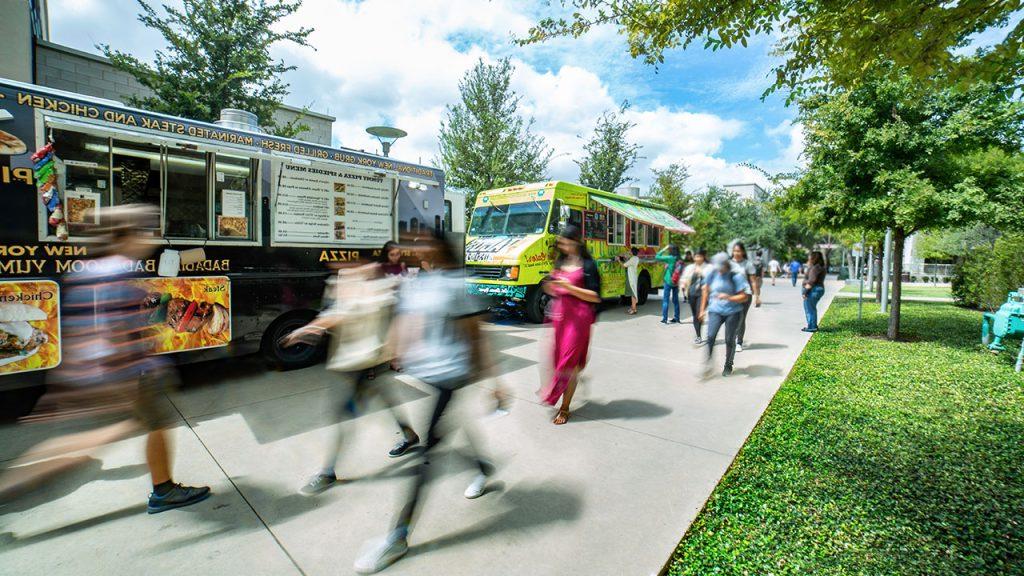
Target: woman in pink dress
[(575, 286)]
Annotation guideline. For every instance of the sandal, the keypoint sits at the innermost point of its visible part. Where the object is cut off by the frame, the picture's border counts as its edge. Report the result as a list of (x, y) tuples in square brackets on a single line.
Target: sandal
[(561, 418)]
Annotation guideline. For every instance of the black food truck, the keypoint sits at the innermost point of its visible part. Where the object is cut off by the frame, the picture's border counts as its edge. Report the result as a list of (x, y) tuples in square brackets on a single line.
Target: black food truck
[(250, 223)]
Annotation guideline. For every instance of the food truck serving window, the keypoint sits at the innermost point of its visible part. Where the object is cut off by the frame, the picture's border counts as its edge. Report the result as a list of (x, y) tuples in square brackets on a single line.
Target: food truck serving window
[(203, 194)]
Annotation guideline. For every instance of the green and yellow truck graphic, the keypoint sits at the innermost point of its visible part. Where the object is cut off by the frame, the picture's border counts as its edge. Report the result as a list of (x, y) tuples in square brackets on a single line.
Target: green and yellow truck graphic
[(511, 240)]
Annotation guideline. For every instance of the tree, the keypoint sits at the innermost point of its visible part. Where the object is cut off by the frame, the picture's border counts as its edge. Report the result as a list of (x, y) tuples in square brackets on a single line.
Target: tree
[(485, 143), (668, 189), (821, 42), (609, 155), (893, 153), (217, 56)]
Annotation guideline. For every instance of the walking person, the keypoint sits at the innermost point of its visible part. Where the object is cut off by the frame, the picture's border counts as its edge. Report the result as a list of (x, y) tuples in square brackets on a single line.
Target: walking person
[(814, 289), (794, 271), (687, 260), (725, 291), (361, 303), (670, 284), (740, 260), (774, 268), (391, 264), (108, 367), (631, 263), (575, 285), (441, 344), (693, 286)]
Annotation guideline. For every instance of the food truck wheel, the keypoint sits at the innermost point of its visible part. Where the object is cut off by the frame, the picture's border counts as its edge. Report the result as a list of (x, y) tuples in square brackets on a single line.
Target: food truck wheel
[(536, 303), (643, 288), (298, 356)]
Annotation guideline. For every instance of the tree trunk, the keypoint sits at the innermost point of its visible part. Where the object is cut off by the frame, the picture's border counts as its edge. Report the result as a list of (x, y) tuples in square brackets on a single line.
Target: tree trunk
[(877, 284), (898, 241)]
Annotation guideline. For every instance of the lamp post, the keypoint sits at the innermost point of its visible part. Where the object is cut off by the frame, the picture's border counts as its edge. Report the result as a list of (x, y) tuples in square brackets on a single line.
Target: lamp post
[(386, 135)]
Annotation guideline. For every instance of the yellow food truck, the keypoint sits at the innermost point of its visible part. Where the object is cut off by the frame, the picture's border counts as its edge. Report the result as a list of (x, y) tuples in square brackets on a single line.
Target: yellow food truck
[(510, 244)]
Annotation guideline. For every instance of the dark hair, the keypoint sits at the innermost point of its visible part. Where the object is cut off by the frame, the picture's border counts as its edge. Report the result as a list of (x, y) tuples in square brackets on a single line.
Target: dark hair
[(702, 253), (817, 258), (572, 232), (388, 247), (634, 250), (673, 250), (741, 246)]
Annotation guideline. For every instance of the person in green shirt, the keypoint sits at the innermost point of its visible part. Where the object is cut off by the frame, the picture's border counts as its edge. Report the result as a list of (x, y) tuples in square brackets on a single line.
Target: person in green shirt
[(670, 256)]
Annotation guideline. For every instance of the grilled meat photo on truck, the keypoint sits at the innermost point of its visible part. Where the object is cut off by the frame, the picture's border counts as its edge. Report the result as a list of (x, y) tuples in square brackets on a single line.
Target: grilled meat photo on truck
[(18, 338), (184, 315)]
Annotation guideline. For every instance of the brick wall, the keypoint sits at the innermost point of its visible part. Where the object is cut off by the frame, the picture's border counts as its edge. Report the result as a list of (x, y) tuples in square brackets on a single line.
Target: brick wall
[(72, 70)]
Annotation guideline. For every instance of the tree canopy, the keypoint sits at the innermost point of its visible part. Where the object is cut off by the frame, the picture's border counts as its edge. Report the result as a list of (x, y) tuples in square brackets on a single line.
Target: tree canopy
[(608, 154), (485, 143), (820, 42), (217, 56)]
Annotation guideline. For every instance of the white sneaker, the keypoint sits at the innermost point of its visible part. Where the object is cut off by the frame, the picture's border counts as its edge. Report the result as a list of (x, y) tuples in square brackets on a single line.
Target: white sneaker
[(477, 487), (381, 553), (739, 347)]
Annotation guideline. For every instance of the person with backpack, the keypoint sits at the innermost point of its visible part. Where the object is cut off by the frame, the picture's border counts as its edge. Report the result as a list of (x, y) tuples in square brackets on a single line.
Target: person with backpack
[(670, 288), (725, 291), (575, 286), (440, 343), (693, 279)]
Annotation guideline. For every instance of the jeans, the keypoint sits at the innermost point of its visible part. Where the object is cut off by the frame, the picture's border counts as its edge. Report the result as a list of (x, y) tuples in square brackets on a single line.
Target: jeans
[(669, 291), (741, 330), (792, 276), (811, 306), (696, 297), (715, 322)]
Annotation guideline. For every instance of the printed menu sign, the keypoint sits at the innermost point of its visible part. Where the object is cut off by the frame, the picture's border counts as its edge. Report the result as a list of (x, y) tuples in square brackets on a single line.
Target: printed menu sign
[(322, 204), (29, 326), (188, 312)]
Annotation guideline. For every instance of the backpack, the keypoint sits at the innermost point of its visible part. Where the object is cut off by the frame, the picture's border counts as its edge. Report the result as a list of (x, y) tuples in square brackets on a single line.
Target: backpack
[(677, 272)]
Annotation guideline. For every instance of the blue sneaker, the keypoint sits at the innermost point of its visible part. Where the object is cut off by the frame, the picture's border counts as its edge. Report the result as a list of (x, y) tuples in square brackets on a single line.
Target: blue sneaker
[(177, 497)]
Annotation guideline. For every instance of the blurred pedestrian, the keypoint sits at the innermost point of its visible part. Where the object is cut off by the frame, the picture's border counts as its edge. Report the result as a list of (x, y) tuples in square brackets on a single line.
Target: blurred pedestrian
[(631, 263), (575, 286), (391, 259), (441, 343), (360, 308), (687, 260), (814, 289), (740, 261), (693, 279), (794, 270), (108, 368), (725, 291), (774, 268), (670, 281)]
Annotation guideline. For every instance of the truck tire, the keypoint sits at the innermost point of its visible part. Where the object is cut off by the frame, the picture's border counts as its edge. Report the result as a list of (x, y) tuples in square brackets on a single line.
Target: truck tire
[(536, 304), (643, 288), (293, 357)]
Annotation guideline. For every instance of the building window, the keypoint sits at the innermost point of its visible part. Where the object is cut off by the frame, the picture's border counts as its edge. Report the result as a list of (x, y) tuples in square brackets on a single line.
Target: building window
[(448, 215), (616, 228), (234, 186), (83, 176), (186, 195)]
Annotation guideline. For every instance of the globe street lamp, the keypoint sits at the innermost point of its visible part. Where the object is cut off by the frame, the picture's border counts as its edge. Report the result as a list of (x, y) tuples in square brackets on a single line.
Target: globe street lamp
[(386, 135)]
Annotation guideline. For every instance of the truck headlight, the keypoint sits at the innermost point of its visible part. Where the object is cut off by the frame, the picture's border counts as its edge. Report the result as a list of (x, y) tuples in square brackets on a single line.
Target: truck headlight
[(510, 273)]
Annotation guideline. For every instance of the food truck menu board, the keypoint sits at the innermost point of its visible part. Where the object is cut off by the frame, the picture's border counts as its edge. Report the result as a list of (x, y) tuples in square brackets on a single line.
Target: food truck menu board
[(324, 204), (29, 325)]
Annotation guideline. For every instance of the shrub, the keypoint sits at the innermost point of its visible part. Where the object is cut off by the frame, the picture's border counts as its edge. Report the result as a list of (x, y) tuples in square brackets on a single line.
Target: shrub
[(984, 277)]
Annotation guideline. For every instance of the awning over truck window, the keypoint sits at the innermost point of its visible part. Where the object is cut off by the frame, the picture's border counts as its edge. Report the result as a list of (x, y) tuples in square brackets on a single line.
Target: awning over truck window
[(645, 214)]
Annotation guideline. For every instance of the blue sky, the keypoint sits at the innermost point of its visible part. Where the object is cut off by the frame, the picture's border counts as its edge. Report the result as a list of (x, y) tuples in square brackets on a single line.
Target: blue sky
[(399, 61)]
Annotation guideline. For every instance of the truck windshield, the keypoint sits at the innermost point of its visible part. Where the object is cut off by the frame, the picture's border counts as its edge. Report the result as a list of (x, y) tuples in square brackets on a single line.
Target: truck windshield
[(496, 220)]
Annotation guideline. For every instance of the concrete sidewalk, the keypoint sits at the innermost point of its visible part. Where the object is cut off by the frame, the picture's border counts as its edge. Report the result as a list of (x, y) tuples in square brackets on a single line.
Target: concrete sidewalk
[(609, 493)]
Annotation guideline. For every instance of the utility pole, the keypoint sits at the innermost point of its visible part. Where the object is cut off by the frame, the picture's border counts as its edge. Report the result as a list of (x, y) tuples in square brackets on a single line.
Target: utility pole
[(886, 267), (871, 267), (860, 277)]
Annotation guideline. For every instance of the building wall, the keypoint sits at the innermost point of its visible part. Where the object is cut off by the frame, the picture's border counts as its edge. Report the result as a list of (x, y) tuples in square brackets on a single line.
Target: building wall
[(68, 69), (16, 31)]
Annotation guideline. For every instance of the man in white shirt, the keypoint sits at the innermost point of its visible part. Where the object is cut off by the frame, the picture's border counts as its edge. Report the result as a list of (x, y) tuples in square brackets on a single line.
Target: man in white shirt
[(774, 268)]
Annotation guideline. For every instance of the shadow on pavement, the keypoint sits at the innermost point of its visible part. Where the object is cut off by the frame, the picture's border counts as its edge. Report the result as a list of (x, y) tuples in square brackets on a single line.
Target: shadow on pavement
[(86, 470), (622, 409), (9, 540), (756, 371), (764, 346)]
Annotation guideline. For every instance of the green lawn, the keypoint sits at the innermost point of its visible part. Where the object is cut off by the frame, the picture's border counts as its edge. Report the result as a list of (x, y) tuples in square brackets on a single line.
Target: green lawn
[(877, 457), (908, 291)]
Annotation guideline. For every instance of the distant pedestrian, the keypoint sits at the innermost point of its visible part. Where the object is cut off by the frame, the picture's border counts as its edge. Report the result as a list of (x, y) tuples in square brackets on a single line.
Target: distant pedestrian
[(794, 270), (725, 291), (391, 259), (693, 279), (687, 260), (740, 260), (814, 289), (359, 314), (441, 343), (670, 284), (631, 263), (774, 268), (575, 285)]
